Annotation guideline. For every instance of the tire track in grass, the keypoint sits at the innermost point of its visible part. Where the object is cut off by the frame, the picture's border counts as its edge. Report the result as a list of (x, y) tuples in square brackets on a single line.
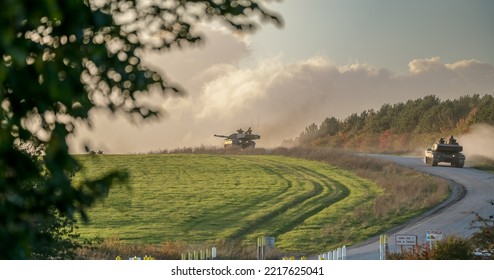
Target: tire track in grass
[(274, 205), (336, 225), (331, 192), (291, 194), (283, 218), (298, 189), (232, 213)]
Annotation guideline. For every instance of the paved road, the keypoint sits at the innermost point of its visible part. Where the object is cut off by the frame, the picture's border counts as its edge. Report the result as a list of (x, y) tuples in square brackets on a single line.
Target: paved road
[(471, 191)]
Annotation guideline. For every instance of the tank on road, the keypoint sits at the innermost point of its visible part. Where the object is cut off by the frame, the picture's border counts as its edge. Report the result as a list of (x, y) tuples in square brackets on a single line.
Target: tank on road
[(449, 152)]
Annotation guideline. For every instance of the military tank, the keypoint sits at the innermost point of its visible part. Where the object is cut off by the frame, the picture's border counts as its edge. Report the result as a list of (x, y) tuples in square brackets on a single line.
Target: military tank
[(242, 139), (450, 152)]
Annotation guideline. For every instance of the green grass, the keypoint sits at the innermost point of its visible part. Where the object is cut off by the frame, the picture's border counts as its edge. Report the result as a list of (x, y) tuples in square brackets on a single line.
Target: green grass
[(202, 198)]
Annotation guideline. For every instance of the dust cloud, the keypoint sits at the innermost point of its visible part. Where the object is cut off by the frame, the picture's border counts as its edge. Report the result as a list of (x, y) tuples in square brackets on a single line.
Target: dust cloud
[(478, 142)]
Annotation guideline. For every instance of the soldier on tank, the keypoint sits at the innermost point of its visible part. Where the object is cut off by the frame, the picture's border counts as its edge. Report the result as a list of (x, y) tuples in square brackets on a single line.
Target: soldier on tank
[(441, 141), (452, 140)]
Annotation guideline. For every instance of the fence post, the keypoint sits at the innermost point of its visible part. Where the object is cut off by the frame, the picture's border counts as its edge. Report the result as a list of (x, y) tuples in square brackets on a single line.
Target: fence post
[(383, 246)]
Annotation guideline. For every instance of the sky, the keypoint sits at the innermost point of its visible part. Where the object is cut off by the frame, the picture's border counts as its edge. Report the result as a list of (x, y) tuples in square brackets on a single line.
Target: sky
[(331, 58)]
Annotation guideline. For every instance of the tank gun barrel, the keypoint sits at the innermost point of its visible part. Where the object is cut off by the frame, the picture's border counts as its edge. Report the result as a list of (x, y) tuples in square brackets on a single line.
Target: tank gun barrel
[(222, 136)]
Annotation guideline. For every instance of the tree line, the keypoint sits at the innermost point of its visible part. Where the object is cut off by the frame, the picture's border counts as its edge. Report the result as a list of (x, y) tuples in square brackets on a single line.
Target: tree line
[(401, 126)]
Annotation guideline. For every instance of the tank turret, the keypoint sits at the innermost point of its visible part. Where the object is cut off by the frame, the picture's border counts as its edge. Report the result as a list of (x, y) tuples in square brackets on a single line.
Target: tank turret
[(242, 139)]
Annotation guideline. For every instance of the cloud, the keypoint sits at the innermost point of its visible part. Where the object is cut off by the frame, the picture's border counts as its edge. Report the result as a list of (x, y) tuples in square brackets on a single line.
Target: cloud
[(465, 76), (421, 65), (227, 91), (232, 92), (187, 65)]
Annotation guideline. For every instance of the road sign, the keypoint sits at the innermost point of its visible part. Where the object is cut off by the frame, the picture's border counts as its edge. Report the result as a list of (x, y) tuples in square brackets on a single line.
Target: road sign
[(433, 235), (270, 241), (405, 240)]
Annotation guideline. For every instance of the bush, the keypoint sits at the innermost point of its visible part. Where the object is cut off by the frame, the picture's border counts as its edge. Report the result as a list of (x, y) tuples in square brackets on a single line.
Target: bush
[(451, 248)]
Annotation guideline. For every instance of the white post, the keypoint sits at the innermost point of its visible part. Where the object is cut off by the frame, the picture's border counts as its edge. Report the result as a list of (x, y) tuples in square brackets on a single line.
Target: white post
[(383, 244), (381, 247), (213, 253)]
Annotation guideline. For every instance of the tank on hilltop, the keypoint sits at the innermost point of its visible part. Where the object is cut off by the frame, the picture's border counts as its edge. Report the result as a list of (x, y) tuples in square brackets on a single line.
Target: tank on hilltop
[(445, 151), (242, 139)]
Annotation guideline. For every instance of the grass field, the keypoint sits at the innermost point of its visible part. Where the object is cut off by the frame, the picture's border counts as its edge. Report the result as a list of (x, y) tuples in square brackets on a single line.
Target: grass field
[(307, 205)]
